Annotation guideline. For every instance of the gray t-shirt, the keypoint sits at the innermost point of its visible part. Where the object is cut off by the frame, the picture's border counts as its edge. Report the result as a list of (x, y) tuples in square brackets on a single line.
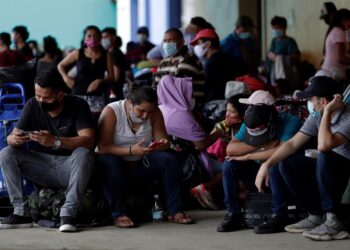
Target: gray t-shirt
[(340, 124)]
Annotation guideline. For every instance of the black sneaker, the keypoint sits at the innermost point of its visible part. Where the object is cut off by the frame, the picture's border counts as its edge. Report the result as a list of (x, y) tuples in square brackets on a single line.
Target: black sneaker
[(16, 221), (67, 224), (232, 222), (275, 224)]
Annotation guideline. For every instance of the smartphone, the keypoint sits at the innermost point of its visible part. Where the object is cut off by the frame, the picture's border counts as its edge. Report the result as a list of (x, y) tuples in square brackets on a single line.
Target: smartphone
[(155, 144), (27, 132)]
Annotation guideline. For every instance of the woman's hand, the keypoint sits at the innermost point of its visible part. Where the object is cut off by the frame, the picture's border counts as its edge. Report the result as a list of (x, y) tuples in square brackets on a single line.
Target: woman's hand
[(139, 149), (94, 85), (69, 81)]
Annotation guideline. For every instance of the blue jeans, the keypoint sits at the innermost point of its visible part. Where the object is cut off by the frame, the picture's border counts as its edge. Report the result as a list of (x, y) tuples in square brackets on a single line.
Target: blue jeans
[(317, 185), (232, 172), (116, 174)]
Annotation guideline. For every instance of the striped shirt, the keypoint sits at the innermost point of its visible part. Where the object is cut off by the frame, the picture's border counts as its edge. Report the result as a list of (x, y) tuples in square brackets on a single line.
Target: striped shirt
[(183, 64)]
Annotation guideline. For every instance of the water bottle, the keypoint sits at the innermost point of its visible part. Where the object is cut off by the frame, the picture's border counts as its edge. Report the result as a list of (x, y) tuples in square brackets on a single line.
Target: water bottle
[(157, 210), (126, 90)]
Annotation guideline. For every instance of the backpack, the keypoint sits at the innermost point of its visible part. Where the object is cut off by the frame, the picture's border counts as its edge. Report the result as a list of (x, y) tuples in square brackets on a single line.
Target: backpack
[(45, 206)]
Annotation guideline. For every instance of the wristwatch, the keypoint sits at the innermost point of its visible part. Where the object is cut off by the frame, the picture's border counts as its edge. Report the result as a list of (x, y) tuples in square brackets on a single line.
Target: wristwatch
[(57, 143)]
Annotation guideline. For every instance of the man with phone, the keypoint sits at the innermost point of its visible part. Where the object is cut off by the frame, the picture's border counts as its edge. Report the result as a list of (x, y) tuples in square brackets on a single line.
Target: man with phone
[(316, 184), (61, 129)]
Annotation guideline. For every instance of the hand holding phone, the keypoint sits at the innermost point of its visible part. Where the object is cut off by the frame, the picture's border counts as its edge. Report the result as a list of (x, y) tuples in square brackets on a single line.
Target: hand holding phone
[(155, 144), (27, 132)]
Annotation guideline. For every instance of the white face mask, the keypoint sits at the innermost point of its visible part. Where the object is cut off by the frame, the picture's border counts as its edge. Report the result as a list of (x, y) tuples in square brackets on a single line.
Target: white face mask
[(200, 50), (106, 43), (134, 118)]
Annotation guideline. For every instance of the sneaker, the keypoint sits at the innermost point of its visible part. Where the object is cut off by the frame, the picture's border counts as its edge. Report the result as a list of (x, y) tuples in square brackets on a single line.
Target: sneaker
[(16, 221), (275, 224), (203, 197), (232, 222), (332, 229), (67, 224), (306, 224)]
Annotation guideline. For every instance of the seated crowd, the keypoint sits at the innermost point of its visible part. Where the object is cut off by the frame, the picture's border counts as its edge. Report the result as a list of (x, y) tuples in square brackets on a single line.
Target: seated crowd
[(92, 119)]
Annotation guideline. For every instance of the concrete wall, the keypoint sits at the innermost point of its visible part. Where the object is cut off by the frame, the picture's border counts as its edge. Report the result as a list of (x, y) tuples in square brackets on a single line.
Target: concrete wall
[(220, 13), (63, 19), (304, 24)]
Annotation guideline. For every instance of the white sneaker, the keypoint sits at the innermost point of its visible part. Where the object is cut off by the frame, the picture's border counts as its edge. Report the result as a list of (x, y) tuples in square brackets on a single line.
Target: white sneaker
[(332, 229), (67, 225), (308, 223)]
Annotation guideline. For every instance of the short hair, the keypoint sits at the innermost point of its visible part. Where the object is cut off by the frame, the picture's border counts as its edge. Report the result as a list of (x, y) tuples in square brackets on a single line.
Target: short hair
[(240, 107), (50, 45), (110, 30), (5, 38), (142, 93), (177, 32), (50, 79), (33, 42), (215, 43), (22, 31), (92, 27), (143, 30), (279, 21)]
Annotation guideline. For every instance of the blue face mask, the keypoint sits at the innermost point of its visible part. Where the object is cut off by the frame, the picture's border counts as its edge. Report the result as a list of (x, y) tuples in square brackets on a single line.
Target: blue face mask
[(244, 35), (277, 33), (169, 49), (311, 109)]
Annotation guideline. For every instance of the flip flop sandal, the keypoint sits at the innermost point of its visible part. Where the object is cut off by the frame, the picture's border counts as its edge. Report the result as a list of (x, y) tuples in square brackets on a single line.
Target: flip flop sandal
[(180, 219), (124, 222)]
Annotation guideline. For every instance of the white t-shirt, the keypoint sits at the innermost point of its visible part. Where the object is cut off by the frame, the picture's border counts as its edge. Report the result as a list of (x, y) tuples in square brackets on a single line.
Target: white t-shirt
[(123, 136)]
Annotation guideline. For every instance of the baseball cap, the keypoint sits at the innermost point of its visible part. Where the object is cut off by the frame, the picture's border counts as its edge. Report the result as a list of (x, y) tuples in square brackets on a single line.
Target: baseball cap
[(259, 97), (245, 22), (320, 86), (205, 33), (260, 124)]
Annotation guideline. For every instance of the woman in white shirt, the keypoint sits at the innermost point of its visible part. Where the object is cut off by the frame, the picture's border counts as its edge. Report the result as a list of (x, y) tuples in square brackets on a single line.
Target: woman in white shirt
[(126, 128)]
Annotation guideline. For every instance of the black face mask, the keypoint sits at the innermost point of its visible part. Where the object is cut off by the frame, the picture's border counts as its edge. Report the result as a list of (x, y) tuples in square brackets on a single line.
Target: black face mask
[(47, 107)]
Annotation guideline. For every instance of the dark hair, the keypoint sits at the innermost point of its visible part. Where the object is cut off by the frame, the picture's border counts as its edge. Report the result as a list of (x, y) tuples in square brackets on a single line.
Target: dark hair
[(240, 107), (177, 32), (339, 16), (143, 30), (50, 79), (142, 93), (5, 38), (22, 31), (92, 27), (33, 42), (110, 30), (50, 45), (279, 21), (215, 43), (201, 23), (118, 41)]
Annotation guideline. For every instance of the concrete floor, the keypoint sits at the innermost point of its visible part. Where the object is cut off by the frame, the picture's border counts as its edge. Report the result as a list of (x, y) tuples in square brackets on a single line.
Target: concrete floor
[(201, 235)]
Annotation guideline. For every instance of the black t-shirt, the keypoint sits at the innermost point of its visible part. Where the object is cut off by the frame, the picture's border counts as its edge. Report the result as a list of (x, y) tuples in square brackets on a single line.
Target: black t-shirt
[(75, 115), (87, 72), (218, 71)]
